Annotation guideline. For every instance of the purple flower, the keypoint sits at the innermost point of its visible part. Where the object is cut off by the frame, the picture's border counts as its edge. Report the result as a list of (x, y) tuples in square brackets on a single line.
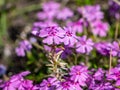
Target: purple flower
[(64, 14), (2, 69), (100, 28), (69, 36), (26, 85), (114, 9), (23, 46), (37, 26), (51, 5), (68, 85), (51, 35), (66, 51), (105, 48), (77, 26), (50, 10), (49, 84), (84, 45), (15, 81), (99, 74), (79, 74), (91, 13), (114, 75), (115, 49)]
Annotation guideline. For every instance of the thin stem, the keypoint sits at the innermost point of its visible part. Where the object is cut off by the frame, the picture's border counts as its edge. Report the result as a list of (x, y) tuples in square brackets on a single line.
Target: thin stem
[(110, 61), (116, 30)]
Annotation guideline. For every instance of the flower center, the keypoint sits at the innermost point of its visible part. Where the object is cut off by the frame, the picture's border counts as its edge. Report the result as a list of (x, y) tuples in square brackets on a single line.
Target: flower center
[(48, 84), (68, 33), (78, 73), (83, 42)]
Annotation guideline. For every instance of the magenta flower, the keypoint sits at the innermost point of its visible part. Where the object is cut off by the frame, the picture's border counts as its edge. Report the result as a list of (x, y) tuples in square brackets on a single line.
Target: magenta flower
[(50, 10), (49, 84), (15, 81), (68, 85), (114, 75), (79, 74), (106, 48), (77, 26), (64, 14), (100, 28), (70, 37), (99, 74), (84, 45), (37, 26), (51, 35), (91, 13)]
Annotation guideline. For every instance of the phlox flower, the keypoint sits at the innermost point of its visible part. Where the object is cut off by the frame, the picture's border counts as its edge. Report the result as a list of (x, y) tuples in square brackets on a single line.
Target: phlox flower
[(70, 37), (15, 81), (99, 28), (91, 13), (50, 10), (79, 74), (68, 85), (49, 84), (51, 35), (64, 14), (77, 26), (23, 46), (37, 26), (84, 45), (114, 75), (114, 9)]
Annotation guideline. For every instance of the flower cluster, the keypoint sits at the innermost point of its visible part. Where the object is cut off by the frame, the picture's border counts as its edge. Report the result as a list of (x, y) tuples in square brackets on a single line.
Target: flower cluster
[(78, 78), (93, 16), (17, 82), (74, 38)]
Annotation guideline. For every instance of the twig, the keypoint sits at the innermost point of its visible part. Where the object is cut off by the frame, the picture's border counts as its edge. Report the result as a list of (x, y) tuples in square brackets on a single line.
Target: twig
[(110, 61)]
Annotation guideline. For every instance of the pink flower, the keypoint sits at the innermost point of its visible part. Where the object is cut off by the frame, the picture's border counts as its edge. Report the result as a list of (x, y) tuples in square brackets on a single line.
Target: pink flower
[(37, 26), (69, 36), (64, 14), (100, 28), (49, 84), (91, 13), (49, 10), (84, 45), (79, 74), (77, 26), (51, 35)]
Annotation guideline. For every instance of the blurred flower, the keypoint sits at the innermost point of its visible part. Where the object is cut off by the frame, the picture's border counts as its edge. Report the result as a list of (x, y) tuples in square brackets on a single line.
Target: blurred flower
[(64, 14), (114, 9), (84, 45), (100, 28), (23, 46), (114, 75), (91, 13), (77, 26), (2, 69), (106, 48), (49, 10)]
